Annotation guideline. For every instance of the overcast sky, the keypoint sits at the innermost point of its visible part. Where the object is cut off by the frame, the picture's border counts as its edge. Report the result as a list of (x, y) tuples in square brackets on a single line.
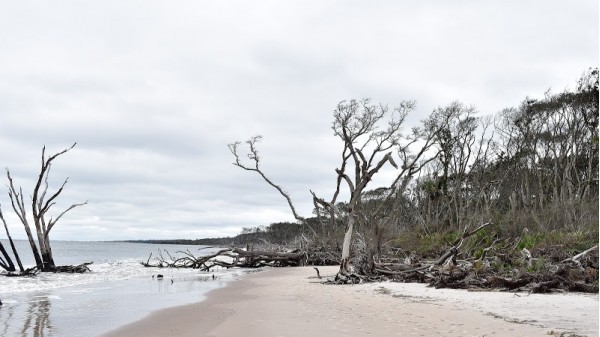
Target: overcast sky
[(153, 91)]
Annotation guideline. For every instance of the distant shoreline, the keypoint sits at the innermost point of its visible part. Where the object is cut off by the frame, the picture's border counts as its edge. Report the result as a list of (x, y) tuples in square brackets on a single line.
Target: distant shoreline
[(200, 242)]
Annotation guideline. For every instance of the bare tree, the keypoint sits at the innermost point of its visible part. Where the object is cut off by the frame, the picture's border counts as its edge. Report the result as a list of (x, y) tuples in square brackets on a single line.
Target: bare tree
[(371, 135), (7, 263), (40, 206), (255, 159)]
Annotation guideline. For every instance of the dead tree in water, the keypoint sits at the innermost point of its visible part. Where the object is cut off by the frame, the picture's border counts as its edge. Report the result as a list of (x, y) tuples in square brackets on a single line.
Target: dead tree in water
[(7, 262), (42, 252)]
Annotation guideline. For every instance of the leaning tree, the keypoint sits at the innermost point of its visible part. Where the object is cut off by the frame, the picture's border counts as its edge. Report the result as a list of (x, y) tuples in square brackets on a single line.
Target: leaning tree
[(372, 136), (6, 260), (41, 203)]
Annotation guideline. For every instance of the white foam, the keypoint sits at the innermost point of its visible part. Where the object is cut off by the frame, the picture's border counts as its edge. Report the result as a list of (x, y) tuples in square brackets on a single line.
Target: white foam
[(99, 273)]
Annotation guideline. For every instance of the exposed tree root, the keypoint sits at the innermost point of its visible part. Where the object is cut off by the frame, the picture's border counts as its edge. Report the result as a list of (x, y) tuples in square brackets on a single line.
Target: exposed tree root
[(572, 274), (498, 266), (33, 271)]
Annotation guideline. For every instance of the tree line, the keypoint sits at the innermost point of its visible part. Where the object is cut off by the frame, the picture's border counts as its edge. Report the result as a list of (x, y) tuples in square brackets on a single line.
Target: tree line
[(531, 168), (278, 233)]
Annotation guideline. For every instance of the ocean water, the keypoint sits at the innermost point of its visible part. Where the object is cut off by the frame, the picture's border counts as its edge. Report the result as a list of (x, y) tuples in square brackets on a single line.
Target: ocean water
[(117, 291)]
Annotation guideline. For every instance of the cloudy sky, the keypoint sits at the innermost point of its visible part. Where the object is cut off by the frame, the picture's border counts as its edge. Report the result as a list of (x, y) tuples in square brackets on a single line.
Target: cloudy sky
[(153, 91)]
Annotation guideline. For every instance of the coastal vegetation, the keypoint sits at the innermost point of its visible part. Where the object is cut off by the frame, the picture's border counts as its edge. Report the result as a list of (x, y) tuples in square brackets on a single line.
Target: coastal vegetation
[(497, 202), (505, 201)]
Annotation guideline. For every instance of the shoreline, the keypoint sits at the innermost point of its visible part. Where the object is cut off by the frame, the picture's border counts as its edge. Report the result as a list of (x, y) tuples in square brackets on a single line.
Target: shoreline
[(90, 309), (292, 302)]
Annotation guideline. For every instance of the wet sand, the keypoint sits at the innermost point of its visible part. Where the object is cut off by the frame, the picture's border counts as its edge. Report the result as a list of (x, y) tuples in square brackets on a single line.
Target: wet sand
[(291, 302)]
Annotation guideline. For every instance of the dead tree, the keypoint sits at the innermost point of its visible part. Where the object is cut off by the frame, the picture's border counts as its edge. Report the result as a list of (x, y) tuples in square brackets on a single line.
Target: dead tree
[(5, 260), (7, 263), (370, 135), (42, 252), (255, 158), (227, 258), (366, 149)]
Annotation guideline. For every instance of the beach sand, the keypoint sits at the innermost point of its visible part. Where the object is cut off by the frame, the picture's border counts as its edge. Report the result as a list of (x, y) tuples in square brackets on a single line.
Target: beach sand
[(291, 302)]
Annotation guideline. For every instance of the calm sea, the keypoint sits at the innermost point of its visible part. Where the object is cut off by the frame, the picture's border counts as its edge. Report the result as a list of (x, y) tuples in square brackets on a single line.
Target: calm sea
[(117, 291)]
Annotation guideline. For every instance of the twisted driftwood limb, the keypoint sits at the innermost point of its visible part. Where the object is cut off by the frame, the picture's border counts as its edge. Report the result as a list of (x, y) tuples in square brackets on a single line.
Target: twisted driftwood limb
[(497, 265), (27, 272), (79, 269), (228, 258), (33, 271), (391, 269), (578, 257)]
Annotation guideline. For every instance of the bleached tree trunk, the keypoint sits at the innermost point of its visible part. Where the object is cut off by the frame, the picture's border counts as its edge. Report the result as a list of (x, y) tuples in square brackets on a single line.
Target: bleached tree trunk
[(345, 262)]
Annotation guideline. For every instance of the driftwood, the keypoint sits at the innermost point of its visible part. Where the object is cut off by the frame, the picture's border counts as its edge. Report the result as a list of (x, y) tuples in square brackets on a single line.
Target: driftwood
[(227, 258), (497, 266), (391, 269), (33, 271), (79, 269), (475, 260), (579, 256), (26, 272)]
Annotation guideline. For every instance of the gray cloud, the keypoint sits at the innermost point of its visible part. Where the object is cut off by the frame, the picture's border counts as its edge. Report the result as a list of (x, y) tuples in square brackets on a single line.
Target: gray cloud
[(153, 93)]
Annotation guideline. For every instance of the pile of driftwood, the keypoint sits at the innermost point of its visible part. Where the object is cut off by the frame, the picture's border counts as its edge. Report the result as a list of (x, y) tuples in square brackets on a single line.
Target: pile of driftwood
[(576, 274), (253, 256), (322, 256), (227, 258), (77, 269), (499, 266)]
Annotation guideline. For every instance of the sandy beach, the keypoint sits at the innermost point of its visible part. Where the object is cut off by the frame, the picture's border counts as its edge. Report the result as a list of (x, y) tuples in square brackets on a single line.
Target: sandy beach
[(291, 302)]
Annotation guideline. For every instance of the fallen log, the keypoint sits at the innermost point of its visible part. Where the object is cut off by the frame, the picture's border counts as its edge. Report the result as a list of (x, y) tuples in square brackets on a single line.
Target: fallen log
[(496, 264), (78, 269), (228, 258), (578, 257)]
